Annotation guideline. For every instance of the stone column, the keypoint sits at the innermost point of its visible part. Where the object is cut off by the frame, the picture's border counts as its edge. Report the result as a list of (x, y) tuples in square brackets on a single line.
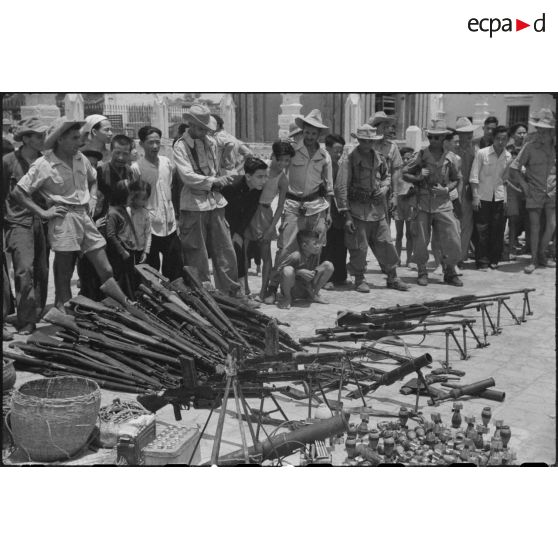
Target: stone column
[(413, 137), (228, 113), (73, 106), (290, 109), (437, 106), (353, 115), (160, 117), (481, 110)]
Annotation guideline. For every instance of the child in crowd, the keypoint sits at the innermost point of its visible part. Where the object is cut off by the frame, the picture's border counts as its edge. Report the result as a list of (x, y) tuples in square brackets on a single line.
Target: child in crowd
[(262, 228), (300, 274), (405, 211), (139, 215), (121, 240)]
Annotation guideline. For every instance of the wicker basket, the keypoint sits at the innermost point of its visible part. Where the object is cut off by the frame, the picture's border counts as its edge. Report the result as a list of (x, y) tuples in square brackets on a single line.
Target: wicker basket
[(52, 418), (8, 374)]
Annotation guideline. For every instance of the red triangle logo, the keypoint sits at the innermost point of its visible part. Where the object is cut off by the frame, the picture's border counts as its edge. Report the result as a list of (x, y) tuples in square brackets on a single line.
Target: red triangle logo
[(519, 25)]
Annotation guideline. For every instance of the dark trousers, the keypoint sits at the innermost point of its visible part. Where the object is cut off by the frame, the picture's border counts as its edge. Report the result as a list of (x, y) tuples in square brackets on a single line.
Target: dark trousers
[(489, 223), (88, 279), (7, 297), (27, 246), (123, 271), (170, 249), (335, 251)]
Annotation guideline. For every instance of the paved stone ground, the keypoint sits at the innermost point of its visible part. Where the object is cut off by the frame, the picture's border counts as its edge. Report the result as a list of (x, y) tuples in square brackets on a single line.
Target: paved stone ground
[(522, 359)]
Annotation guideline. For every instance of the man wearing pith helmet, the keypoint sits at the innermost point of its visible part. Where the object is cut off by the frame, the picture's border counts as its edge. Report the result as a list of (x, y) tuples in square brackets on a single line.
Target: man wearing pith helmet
[(361, 199)]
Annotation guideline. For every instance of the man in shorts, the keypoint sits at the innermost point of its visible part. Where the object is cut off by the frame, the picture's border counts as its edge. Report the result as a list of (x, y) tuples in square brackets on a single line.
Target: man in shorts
[(65, 177), (539, 185)]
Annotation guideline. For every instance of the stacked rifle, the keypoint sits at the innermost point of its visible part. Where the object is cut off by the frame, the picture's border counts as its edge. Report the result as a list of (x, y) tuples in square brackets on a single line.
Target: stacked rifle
[(147, 345)]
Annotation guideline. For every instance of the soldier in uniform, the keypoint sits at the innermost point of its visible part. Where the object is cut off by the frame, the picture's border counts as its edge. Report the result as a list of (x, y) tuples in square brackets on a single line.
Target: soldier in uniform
[(361, 199), (384, 125), (435, 175)]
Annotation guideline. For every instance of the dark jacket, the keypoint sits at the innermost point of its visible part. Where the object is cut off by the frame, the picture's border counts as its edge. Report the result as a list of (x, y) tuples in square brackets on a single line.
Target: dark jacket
[(241, 204)]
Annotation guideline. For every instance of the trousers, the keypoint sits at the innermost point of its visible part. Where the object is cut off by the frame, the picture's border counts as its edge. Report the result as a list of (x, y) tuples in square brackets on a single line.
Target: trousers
[(207, 234), (490, 223), (373, 234), (170, 249), (335, 251), (445, 226), (467, 225), (27, 246)]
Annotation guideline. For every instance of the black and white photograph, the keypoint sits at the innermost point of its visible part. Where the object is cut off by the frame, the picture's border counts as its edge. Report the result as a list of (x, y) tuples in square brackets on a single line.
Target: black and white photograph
[(278, 278), (346, 279)]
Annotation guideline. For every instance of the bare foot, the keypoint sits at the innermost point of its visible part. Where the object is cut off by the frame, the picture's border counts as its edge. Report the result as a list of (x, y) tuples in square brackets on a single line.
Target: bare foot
[(269, 299), (317, 298), (285, 304)]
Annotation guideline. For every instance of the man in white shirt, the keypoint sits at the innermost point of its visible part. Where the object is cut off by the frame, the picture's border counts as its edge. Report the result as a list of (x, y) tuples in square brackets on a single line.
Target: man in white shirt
[(157, 171), (489, 198)]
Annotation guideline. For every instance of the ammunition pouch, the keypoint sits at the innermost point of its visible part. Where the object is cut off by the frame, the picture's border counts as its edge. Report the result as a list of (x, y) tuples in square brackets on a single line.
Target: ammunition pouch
[(360, 195)]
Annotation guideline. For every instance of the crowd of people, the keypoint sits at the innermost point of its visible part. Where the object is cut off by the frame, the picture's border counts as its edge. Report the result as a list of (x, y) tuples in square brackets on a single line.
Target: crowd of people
[(82, 192)]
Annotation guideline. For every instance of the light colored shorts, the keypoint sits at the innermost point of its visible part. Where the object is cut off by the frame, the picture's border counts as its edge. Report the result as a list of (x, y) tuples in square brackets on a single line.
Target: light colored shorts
[(75, 232)]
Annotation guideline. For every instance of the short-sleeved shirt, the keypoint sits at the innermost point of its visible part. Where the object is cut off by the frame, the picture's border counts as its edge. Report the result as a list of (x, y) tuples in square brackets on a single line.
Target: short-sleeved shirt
[(58, 182), (305, 177), (14, 167), (159, 204), (442, 171), (488, 172), (538, 160)]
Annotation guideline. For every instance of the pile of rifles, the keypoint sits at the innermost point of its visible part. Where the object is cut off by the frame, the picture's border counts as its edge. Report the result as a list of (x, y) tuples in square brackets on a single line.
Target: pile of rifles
[(138, 347)]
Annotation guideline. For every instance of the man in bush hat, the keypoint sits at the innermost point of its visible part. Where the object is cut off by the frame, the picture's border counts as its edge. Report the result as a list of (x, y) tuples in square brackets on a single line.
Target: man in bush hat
[(25, 237), (435, 175), (539, 185), (388, 148), (65, 177), (204, 231), (360, 197), (466, 152), (309, 194)]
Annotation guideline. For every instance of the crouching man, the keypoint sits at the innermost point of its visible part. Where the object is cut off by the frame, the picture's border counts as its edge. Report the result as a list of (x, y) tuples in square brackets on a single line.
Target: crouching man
[(300, 275)]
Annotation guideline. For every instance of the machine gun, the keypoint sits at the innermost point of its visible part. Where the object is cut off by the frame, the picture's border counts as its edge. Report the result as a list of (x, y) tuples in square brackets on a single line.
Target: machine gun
[(434, 308), (389, 378), (204, 396)]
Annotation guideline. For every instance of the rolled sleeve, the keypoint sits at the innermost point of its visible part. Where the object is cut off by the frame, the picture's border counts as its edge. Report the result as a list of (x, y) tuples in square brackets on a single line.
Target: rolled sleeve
[(34, 179), (475, 169), (327, 174), (189, 177)]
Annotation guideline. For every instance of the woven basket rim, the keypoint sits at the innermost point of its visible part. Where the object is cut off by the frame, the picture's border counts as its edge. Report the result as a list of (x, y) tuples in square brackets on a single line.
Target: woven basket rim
[(95, 390)]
